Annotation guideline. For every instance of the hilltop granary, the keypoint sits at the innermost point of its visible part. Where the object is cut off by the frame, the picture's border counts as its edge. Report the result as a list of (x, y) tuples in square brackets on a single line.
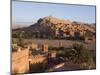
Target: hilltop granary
[(66, 28), (51, 27), (56, 21)]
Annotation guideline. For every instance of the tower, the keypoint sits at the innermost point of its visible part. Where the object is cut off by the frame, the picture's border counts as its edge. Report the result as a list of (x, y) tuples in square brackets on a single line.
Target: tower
[(45, 47), (53, 54)]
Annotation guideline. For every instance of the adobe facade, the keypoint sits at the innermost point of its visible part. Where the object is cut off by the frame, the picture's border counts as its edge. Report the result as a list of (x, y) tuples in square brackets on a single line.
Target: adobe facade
[(20, 61)]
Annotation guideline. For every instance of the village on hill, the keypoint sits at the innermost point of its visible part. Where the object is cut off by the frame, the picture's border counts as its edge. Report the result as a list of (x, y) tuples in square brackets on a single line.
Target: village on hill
[(52, 44)]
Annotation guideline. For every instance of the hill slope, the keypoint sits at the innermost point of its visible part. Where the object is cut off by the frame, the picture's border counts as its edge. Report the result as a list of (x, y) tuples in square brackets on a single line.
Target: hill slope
[(50, 26)]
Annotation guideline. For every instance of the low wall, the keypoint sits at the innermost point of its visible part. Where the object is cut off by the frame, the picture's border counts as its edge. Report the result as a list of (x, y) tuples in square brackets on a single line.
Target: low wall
[(20, 63)]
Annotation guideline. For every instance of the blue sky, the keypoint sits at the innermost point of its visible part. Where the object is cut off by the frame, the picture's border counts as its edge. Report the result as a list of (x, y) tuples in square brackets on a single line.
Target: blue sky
[(30, 12)]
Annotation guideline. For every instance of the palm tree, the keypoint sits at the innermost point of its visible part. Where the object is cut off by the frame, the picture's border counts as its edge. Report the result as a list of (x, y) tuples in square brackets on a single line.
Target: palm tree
[(21, 38), (83, 56), (78, 48)]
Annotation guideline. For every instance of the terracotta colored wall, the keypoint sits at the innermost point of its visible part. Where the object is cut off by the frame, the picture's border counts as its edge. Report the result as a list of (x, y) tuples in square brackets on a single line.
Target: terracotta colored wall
[(20, 63)]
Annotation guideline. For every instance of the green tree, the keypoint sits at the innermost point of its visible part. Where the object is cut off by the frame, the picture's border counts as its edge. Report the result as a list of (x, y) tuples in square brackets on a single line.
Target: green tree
[(20, 39), (83, 56), (78, 48)]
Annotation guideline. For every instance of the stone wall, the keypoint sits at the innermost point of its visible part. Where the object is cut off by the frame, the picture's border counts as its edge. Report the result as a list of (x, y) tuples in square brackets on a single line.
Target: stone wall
[(20, 63), (37, 59)]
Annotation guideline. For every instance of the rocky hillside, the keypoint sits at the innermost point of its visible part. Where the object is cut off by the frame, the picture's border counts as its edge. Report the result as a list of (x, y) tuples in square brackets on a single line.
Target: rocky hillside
[(50, 26)]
